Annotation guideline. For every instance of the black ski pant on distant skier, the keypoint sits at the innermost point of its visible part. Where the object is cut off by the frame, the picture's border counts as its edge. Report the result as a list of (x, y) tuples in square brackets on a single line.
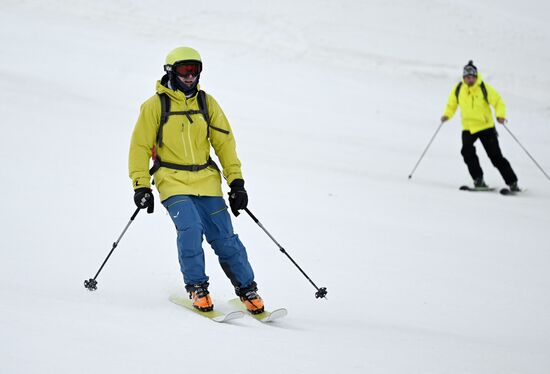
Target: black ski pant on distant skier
[(489, 139)]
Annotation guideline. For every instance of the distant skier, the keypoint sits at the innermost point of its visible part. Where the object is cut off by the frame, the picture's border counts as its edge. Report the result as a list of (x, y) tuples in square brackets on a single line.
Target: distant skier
[(475, 98), (176, 128)]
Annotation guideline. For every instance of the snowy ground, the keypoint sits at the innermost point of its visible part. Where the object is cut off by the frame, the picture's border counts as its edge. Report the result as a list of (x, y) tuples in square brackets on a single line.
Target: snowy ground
[(332, 104)]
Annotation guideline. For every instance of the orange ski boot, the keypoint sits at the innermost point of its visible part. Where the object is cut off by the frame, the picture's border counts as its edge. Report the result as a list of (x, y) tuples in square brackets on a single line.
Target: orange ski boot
[(201, 297), (252, 301)]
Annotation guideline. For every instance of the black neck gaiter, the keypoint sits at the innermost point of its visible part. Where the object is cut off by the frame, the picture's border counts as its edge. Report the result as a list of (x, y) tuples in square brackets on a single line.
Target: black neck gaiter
[(189, 91)]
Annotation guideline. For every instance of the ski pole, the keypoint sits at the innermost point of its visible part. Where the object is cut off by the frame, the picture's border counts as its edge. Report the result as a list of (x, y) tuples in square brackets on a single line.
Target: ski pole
[(91, 283), (522, 147), (425, 150), (321, 292)]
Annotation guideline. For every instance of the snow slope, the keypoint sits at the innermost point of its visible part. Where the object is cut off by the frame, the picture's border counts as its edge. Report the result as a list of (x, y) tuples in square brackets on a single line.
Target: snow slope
[(332, 104)]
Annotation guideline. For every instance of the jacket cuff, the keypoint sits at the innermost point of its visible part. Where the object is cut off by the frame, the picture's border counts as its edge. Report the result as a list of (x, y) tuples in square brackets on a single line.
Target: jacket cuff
[(141, 183), (237, 183)]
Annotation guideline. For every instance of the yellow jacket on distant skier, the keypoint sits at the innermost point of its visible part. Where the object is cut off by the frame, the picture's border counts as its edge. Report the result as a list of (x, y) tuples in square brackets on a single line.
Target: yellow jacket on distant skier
[(476, 112), (185, 142)]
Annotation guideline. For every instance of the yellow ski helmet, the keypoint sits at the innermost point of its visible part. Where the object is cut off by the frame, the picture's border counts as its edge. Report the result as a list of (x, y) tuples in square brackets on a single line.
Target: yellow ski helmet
[(181, 54)]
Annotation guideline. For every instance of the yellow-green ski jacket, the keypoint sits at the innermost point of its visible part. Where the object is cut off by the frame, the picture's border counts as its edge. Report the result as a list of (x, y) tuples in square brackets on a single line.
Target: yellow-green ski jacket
[(184, 142), (476, 112)]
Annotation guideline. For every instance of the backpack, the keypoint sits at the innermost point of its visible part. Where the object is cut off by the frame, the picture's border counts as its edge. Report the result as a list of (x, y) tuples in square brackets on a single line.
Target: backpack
[(165, 112), (483, 89)]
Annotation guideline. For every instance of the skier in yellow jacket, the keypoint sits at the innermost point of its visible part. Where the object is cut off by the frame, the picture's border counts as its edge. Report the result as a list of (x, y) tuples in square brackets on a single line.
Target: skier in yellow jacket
[(176, 128), (475, 98)]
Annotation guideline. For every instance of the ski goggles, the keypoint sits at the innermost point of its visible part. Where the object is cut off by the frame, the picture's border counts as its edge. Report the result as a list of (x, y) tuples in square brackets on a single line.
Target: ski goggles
[(186, 69)]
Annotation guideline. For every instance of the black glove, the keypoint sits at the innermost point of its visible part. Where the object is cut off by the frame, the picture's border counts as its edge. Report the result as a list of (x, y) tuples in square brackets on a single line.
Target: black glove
[(238, 198), (143, 197)]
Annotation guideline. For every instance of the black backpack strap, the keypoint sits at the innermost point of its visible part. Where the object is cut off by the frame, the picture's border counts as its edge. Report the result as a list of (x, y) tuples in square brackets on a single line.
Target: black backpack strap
[(484, 90), (170, 165), (457, 90), (164, 113), (203, 106), (218, 129), (186, 113)]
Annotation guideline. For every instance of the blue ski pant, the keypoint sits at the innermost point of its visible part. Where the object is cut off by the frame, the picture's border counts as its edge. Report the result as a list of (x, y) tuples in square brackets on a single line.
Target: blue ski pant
[(198, 216)]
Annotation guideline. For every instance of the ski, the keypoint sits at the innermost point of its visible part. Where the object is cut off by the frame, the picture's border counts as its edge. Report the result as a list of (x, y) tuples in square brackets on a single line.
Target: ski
[(213, 315), (509, 192), (265, 316), (476, 189)]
